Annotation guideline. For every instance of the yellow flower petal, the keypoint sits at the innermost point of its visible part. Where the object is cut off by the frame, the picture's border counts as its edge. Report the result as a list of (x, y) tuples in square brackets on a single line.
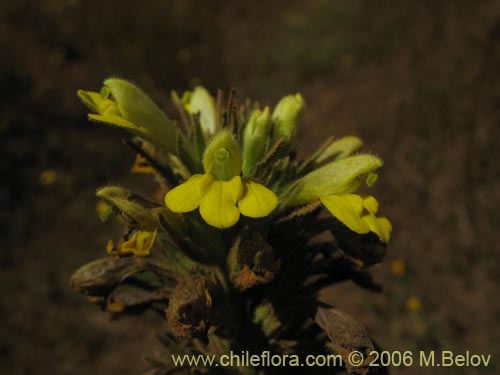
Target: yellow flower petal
[(145, 241), (91, 99), (371, 204), (96, 102), (347, 209), (116, 121), (381, 226), (187, 196), (218, 206), (257, 200), (139, 244)]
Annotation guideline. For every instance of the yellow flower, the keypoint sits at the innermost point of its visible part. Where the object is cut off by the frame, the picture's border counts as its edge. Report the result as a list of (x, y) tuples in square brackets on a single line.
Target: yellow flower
[(139, 243), (339, 177), (220, 193), (358, 214), (121, 103)]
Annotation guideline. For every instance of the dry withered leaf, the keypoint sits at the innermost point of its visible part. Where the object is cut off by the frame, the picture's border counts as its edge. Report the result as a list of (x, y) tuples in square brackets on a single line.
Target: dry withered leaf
[(251, 261), (189, 308), (129, 296), (346, 335), (100, 276), (364, 248)]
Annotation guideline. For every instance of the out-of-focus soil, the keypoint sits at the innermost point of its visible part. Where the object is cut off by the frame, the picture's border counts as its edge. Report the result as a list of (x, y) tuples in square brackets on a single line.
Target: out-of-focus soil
[(417, 80)]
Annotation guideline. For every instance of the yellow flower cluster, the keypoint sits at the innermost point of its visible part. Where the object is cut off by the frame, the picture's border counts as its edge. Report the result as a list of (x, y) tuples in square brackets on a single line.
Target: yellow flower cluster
[(227, 189)]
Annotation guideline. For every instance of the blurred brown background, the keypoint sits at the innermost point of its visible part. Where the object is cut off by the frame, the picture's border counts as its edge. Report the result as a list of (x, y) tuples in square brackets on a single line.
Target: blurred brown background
[(419, 81)]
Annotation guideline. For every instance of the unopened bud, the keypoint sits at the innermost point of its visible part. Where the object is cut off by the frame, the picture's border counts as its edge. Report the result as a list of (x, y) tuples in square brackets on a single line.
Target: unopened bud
[(286, 117), (255, 139), (199, 101)]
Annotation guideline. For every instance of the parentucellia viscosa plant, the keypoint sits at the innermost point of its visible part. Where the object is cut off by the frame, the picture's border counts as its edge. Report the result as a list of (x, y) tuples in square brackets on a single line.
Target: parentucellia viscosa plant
[(232, 254)]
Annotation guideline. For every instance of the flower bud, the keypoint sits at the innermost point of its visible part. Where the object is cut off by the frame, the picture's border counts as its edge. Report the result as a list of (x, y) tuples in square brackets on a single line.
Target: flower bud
[(286, 117), (255, 139), (200, 101), (222, 157)]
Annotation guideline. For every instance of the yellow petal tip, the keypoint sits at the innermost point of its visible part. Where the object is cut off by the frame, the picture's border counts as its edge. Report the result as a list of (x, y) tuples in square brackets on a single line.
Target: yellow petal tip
[(257, 201)]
